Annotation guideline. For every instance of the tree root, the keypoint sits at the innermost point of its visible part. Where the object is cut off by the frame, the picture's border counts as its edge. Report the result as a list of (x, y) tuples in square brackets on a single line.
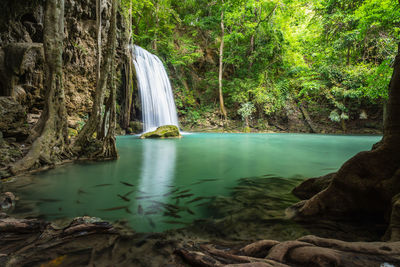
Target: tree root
[(306, 251)]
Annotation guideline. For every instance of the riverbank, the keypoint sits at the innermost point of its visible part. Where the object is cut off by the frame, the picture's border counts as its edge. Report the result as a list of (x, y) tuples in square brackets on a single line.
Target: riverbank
[(356, 127)]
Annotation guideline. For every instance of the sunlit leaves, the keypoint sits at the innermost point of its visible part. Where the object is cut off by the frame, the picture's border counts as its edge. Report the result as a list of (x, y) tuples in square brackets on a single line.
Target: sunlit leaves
[(319, 51)]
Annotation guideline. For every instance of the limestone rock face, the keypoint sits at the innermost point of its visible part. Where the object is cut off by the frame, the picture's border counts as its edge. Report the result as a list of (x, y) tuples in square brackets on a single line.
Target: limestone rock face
[(21, 52), (13, 121), (21, 71), (166, 131)]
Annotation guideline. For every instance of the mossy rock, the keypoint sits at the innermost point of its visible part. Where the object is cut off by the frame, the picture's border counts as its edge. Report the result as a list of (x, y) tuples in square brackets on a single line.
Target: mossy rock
[(72, 132), (166, 131)]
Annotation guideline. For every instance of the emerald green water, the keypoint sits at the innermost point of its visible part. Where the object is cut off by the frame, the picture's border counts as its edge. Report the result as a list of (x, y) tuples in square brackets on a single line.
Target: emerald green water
[(171, 178)]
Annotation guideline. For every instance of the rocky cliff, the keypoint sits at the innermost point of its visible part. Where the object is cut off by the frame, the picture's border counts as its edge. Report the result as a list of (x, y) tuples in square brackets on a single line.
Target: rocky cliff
[(21, 67), (21, 54)]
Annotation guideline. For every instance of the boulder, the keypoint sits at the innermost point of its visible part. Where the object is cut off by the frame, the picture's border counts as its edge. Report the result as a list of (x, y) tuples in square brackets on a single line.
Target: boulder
[(166, 131)]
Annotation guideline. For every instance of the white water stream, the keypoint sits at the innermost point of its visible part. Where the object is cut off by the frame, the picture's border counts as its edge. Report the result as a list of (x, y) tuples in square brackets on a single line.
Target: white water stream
[(158, 106)]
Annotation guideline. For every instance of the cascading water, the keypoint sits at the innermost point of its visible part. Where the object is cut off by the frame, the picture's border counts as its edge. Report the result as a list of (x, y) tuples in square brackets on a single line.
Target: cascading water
[(158, 106)]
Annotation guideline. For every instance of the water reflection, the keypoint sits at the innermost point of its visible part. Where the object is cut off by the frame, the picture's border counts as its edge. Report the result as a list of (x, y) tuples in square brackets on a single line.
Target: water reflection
[(158, 166)]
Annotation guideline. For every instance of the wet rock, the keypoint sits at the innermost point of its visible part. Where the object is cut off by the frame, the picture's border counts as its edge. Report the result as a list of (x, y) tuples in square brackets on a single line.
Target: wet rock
[(85, 219), (7, 201), (12, 225), (84, 225), (166, 131), (312, 186)]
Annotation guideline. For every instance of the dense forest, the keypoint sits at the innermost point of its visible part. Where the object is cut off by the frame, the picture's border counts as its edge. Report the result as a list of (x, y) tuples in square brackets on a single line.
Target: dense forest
[(74, 191), (325, 59)]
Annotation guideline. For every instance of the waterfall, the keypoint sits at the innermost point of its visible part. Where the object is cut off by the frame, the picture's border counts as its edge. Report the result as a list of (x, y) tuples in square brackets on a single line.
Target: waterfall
[(158, 106)]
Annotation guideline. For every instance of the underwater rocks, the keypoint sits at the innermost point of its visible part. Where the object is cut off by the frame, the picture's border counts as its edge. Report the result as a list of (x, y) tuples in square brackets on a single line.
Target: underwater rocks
[(7, 201), (166, 131)]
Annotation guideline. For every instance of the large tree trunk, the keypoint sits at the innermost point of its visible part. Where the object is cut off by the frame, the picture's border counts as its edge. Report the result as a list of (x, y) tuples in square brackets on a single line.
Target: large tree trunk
[(107, 133), (94, 124), (221, 57), (50, 137), (127, 101), (366, 184)]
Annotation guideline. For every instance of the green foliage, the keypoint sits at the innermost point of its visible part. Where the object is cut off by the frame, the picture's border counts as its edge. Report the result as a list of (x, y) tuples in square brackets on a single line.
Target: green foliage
[(378, 81), (246, 110), (333, 53)]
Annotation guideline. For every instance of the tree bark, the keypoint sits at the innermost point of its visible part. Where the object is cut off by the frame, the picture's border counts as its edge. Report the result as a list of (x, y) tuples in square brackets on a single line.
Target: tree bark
[(94, 124), (366, 184), (109, 149), (98, 30), (51, 145), (221, 57), (127, 101)]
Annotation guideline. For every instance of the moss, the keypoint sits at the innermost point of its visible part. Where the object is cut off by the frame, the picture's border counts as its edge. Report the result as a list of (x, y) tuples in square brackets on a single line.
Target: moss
[(72, 132), (246, 129), (166, 131)]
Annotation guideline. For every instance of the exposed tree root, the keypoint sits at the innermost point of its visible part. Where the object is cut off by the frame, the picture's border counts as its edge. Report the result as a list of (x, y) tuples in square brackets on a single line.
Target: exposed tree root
[(50, 134), (88, 240), (367, 184), (306, 251)]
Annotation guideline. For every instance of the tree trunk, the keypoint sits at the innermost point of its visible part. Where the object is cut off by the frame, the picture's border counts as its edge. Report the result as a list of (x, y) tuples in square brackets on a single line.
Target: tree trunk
[(94, 124), (366, 184), (51, 139), (98, 30), (221, 57), (127, 101), (109, 149), (154, 42)]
